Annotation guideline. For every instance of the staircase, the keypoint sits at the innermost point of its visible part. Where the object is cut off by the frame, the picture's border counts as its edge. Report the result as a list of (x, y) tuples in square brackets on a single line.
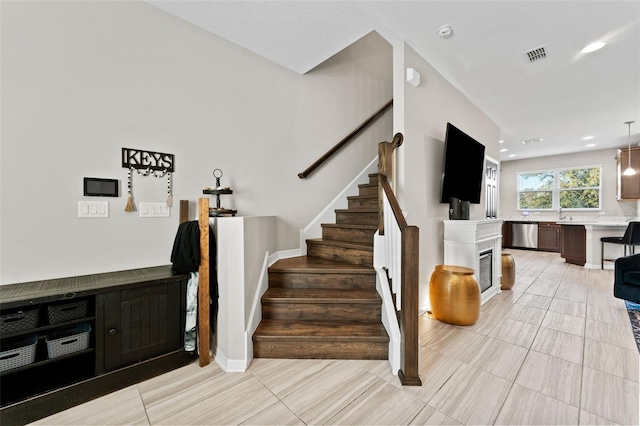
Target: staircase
[(325, 304)]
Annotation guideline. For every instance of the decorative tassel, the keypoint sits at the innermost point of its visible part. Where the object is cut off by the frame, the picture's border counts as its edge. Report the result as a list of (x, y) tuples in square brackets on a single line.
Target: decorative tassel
[(130, 207)]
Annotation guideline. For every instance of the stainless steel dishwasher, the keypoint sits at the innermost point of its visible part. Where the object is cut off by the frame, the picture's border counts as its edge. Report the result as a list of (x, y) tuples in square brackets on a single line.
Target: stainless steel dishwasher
[(524, 235)]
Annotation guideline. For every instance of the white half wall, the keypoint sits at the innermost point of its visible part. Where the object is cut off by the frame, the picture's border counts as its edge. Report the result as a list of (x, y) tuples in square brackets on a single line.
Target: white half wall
[(244, 244)]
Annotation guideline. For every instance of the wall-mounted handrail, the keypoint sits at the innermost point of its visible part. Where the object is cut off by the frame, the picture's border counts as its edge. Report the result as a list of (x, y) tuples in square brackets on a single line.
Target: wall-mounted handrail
[(344, 141)]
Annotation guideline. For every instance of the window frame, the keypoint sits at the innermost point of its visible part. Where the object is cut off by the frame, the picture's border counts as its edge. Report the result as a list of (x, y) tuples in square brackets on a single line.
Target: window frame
[(555, 191)]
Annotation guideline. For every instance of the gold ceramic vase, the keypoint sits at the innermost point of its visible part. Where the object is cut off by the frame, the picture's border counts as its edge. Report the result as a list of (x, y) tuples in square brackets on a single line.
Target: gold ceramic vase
[(508, 271), (454, 294)]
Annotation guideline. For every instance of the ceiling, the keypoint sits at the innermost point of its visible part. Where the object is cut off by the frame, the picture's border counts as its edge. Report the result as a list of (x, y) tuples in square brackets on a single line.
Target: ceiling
[(560, 99)]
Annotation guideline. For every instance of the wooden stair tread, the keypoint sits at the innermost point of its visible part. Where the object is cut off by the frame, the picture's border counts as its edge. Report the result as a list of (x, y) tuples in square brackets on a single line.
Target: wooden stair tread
[(320, 296), (342, 244), (360, 211), (315, 330), (349, 226), (325, 305), (310, 265), (362, 197)]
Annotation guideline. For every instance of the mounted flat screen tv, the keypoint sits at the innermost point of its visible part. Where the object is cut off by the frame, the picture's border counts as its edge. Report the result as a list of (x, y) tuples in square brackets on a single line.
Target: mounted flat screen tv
[(463, 167)]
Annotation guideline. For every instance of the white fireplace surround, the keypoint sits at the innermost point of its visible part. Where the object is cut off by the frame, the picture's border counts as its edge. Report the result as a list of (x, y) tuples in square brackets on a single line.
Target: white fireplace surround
[(464, 240)]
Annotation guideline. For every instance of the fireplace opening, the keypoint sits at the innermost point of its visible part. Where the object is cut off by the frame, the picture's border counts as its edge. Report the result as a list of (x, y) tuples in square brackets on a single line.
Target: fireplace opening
[(485, 275)]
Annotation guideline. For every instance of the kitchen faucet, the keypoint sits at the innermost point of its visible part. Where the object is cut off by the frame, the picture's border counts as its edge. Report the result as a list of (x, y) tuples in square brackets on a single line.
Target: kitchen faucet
[(560, 217)]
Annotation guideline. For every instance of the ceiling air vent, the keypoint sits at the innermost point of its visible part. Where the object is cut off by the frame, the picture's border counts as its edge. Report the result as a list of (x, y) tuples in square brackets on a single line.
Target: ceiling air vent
[(536, 54), (530, 141)]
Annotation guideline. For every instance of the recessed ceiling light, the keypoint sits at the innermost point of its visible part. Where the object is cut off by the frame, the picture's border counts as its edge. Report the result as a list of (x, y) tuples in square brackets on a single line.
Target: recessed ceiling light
[(593, 47), (504, 150), (511, 155), (589, 145), (501, 141), (587, 138)]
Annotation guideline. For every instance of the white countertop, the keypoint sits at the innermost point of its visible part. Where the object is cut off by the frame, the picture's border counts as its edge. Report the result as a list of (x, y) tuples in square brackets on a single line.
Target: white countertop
[(605, 221), (592, 223)]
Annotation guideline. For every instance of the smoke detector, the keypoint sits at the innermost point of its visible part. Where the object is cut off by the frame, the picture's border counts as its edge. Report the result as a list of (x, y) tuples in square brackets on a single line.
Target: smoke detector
[(445, 31)]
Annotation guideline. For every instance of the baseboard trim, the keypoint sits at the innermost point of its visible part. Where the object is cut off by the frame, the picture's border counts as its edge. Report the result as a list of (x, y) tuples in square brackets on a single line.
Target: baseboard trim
[(231, 365)]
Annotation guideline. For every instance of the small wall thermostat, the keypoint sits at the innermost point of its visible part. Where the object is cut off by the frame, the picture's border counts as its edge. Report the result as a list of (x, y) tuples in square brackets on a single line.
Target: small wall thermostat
[(98, 187)]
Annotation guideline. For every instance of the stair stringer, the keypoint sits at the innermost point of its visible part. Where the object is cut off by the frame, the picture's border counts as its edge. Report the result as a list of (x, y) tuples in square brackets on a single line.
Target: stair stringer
[(328, 214), (255, 315), (389, 317)]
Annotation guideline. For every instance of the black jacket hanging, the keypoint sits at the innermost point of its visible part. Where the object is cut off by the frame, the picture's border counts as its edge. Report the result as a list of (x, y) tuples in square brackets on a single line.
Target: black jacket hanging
[(185, 257)]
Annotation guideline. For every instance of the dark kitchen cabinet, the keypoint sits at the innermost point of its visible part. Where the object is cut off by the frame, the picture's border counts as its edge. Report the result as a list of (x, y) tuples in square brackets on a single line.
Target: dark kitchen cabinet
[(573, 244), (506, 234), (628, 187), (548, 236)]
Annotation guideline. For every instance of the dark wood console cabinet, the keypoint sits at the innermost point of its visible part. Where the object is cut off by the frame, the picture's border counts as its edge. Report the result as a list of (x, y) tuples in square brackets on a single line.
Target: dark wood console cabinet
[(136, 320), (140, 323)]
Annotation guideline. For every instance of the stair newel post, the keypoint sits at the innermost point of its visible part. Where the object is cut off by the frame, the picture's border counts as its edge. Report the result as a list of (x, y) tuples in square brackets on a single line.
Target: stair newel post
[(409, 374), (203, 283)]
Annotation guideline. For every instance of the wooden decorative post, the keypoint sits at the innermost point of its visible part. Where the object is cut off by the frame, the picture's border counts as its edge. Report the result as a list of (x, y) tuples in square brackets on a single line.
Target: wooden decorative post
[(184, 211), (203, 285)]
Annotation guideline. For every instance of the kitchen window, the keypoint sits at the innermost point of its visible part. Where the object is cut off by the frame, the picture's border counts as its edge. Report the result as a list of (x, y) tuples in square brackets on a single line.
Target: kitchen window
[(575, 188)]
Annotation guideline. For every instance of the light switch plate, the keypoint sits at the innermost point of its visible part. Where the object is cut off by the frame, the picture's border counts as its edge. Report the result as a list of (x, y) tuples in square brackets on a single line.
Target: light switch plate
[(93, 209), (153, 210)]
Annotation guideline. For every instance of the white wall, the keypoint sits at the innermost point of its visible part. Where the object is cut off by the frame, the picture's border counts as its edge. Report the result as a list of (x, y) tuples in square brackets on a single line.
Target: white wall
[(605, 158), (81, 80), (428, 108)]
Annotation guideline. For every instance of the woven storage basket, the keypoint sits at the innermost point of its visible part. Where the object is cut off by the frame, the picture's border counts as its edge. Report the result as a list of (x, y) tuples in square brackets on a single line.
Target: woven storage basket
[(18, 351), (18, 320), (67, 311), (67, 340)]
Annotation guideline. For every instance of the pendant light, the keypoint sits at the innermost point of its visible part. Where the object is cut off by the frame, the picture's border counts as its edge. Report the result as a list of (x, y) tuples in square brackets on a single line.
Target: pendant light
[(629, 171)]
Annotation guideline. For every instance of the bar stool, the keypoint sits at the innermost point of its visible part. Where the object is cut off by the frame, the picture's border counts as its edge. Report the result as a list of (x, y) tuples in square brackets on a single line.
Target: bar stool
[(631, 238)]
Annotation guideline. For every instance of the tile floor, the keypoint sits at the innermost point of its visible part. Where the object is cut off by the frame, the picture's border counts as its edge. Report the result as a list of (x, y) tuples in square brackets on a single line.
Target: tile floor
[(556, 349)]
